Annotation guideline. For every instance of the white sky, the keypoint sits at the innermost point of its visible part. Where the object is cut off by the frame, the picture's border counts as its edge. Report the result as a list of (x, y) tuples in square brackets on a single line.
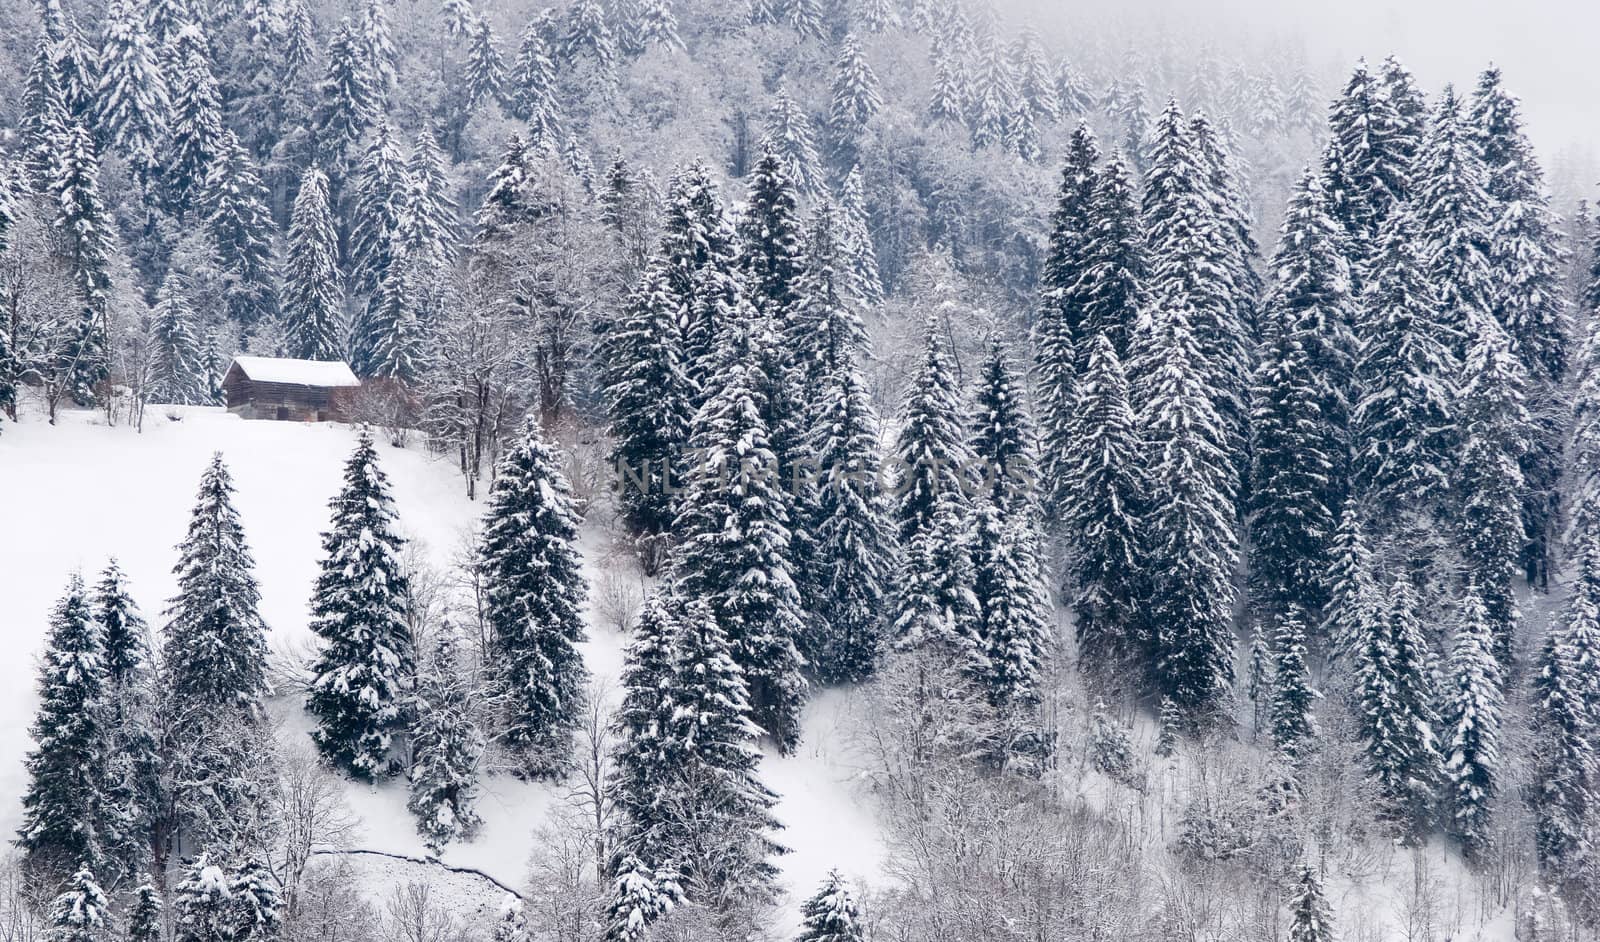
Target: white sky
[(1549, 50)]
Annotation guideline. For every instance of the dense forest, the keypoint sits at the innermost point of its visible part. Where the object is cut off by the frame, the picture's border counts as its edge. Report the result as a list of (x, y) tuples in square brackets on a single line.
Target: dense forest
[(1140, 425)]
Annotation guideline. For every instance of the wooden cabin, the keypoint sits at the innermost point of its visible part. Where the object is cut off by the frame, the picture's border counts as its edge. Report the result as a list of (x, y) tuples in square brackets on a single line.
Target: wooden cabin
[(290, 390)]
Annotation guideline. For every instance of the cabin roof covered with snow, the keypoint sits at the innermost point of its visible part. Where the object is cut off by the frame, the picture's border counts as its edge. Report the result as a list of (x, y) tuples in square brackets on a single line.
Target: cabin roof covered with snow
[(328, 373)]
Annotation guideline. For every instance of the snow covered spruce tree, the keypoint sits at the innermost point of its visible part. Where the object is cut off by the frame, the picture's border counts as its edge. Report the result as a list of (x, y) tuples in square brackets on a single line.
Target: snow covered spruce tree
[(1495, 437), (1310, 917), (650, 400), (855, 94), (1395, 714), (1191, 535), (242, 226), (735, 549), (197, 137), (1193, 260), (358, 609), (711, 816), (1352, 593), (788, 138), (88, 230), (855, 236), (1405, 416), (378, 187), (132, 94), (348, 100), (311, 286), (831, 914), (1002, 439), (534, 594), (1452, 210), (639, 897), (81, 913), (771, 248), (931, 450), (214, 647), (1562, 724), (144, 914), (125, 637), (1470, 735), (1293, 726), (1101, 509), (1526, 259), (1058, 333), (177, 372), (446, 746), (855, 552), (1300, 410), (1366, 165), (65, 811)]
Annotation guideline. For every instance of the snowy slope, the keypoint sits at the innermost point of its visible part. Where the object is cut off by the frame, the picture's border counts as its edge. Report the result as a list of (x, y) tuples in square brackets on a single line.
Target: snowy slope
[(80, 492)]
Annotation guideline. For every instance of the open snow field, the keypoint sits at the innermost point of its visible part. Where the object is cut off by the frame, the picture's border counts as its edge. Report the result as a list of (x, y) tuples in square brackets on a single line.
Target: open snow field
[(81, 492)]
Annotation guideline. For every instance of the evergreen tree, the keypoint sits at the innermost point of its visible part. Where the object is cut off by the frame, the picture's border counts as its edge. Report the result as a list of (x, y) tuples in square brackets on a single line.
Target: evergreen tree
[(1301, 408), (429, 216), (534, 591), (1352, 600), (214, 649), (124, 635), (1562, 727), (1526, 263), (64, 808), (377, 204), (588, 34), (1060, 332), (1405, 416), (202, 909), (1495, 436), (931, 452), (650, 402), (994, 96), (358, 609), (1008, 586), (1236, 220), (654, 24), (177, 374), (1366, 165), (241, 224), (86, 227), (1101, 510), (770, 245), (831, 914), (81, 913), (1193, 544), (257, 904), (197, 137), (1002, 435), (311, 303), (855, 93), (1192, 264), (132, 95), (639, 897), (787, 136), (643, 716), (716, 814), (446, 746), (1410, 107), (855, 547), (45, 116), (348, 100), (1293, 726), (855, 235), (736, 543), (1310, 918), (144, 916), (1394, 709), (1470, 736), (697, 248), (378, 47), (486, 67), (1297, 476), (1112, 259), (531, 95), (1452, 210)]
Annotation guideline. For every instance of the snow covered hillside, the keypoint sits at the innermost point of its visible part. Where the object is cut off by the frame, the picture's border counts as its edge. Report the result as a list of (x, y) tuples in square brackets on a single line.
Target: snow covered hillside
[(81, 492)]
